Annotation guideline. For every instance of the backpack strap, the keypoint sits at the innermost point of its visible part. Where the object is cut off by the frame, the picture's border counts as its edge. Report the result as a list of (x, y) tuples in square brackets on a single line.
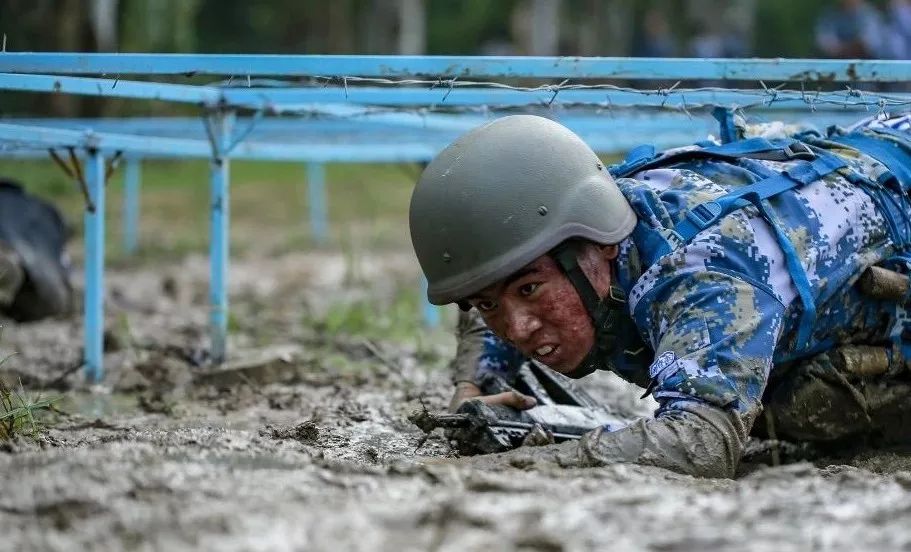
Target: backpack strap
[(706, 214), (645, 157), (813, 164), (895, 155), (728, 130), (891, 154)]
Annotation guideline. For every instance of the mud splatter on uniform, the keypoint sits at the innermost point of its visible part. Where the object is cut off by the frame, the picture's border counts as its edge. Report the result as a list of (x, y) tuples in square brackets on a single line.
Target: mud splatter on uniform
[(722, 311)]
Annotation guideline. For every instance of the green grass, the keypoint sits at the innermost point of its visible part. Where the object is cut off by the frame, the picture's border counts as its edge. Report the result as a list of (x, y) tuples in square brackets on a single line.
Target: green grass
[(395, 319), (384, 317), (368, 204), (20, 414)]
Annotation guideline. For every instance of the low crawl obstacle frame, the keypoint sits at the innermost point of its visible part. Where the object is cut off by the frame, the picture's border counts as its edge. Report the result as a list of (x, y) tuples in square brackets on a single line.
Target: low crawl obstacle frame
[(319, 109)]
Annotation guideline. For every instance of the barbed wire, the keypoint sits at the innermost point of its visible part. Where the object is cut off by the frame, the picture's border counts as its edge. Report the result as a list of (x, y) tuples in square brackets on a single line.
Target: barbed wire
[(613, 99), (349, 100), (870, 103), (674, 98)]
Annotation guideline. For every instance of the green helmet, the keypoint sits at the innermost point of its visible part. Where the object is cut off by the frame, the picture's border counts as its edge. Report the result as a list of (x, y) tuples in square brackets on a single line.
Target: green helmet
[(503, 195)]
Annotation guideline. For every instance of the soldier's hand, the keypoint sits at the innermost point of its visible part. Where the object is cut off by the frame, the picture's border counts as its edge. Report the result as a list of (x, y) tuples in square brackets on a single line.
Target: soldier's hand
[(467, 391)]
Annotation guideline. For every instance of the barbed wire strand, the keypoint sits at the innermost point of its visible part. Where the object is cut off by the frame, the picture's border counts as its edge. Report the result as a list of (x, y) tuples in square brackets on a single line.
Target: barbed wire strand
[(750, 98)]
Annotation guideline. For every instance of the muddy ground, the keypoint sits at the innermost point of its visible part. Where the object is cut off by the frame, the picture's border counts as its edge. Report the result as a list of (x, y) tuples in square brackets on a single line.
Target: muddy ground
[(304, 444)]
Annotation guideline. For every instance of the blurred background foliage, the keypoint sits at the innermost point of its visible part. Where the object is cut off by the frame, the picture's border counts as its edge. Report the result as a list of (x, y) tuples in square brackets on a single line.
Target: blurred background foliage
[(683, 28), (370, 26)]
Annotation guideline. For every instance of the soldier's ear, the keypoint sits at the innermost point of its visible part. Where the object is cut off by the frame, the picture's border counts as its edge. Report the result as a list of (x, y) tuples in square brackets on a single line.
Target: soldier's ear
[(610, 252)]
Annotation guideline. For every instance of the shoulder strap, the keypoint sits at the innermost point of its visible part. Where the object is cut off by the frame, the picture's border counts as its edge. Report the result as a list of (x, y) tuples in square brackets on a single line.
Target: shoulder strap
[(706, 214), (645, 157), (728, 130), (608, 314), (891, 154), (814, 163)]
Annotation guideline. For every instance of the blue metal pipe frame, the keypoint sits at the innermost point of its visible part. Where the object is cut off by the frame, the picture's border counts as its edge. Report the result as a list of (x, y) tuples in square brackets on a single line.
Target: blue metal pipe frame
[(219, 252), (336, 110), (94, 266), (310, 98), (380, 150), (429, 311), (113, 88), (333, 130), (824, 70)]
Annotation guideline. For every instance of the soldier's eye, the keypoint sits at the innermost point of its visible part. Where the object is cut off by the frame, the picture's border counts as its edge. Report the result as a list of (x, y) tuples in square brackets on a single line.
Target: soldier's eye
[(527, 289), (485, 305)]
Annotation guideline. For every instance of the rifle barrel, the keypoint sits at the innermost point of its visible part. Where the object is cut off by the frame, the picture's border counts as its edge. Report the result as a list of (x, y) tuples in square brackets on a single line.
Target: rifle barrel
[(428, 421)]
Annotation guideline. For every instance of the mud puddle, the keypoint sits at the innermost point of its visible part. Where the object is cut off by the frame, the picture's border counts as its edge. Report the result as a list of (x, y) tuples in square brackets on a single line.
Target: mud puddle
[(310, 449)]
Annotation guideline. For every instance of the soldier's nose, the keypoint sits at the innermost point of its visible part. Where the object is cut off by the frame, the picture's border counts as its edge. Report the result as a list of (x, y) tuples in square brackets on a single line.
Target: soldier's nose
[(520, 325)]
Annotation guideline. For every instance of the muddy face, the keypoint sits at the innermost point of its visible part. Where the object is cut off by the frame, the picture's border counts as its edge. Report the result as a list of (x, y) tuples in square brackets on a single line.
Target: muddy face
[(538, 310)]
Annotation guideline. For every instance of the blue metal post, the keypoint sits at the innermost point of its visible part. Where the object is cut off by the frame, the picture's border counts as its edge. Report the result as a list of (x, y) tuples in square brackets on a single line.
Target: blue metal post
[(465, 67), (131, 182), (431, 312), (94, 267), (316, 194), (222, 124)]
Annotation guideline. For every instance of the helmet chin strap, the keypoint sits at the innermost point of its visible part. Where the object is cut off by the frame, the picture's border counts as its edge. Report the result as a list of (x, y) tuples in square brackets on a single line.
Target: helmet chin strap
[(608, 314)]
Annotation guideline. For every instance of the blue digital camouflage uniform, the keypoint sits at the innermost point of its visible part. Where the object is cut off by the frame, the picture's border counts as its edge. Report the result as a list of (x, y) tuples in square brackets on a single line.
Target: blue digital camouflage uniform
[(722, 311)]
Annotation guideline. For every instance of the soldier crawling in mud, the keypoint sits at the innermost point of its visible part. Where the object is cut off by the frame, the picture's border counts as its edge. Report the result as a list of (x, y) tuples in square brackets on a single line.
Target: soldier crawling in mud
[(722, 278)]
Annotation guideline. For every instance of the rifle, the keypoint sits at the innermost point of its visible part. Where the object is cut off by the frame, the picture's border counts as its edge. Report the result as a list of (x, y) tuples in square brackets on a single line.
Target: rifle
[(563, 412)]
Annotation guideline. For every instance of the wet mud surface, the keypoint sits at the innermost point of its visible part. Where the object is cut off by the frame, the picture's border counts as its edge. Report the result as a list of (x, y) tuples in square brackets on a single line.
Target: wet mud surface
[(303, 443)]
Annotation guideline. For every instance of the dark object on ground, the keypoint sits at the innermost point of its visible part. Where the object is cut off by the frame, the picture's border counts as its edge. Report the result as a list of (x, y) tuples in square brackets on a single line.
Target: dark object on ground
[(564, 412), (32, 238), (775, 453), (304, 432)]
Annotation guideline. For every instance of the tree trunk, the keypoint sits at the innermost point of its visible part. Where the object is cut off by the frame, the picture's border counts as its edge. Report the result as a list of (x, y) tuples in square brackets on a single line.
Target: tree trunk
[(617, 34), (587, 27), (67, 23), (412, 27), (545, 27), (340, 28), (379, 21), (103, 15)]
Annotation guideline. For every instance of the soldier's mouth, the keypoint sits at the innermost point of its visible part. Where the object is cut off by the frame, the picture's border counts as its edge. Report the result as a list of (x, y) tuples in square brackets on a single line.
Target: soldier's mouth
[(546, 352)]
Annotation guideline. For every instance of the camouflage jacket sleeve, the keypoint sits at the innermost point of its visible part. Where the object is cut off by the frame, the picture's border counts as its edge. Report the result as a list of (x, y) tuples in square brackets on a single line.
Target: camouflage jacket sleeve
[(714, 309), (693, 439), (714, 336), (479, 351)]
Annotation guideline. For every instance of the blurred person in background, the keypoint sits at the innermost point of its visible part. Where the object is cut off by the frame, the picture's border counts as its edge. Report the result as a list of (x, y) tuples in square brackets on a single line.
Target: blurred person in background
[(34, 275), (655, 38), (852, 29), (896, 38)]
